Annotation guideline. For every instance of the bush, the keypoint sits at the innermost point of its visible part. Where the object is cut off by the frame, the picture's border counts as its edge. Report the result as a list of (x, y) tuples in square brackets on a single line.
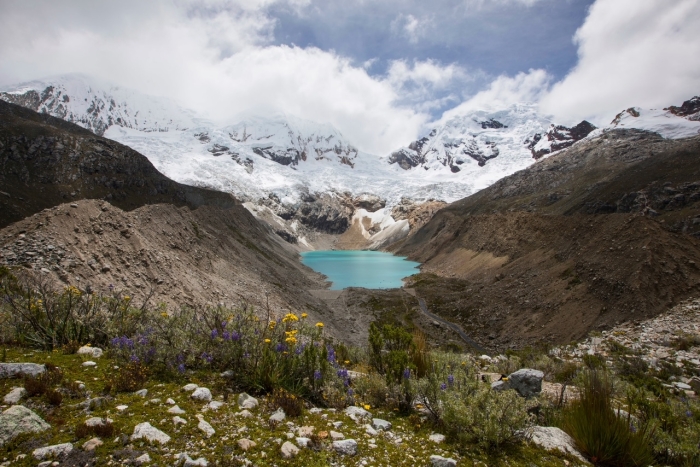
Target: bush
[(292, 405), (484, 417), (54, 397), (605, 437), (103, 430), (40, 384), (130, 377)]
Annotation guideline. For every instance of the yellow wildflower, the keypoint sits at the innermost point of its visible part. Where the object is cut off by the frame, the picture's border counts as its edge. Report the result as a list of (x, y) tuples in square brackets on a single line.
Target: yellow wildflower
[(347, 362), (164, 315), (126, 298), (304, 315), (291, 340), (319, 325), (290, 317), (272, 325), (267, 341), (367, 406)]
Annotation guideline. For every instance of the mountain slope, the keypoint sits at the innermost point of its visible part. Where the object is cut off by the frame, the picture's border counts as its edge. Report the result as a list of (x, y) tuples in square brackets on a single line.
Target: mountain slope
[(596, 234), (97, 215)]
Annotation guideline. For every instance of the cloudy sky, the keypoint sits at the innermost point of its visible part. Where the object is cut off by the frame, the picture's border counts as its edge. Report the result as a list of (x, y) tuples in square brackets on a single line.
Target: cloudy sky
[(379, 70)]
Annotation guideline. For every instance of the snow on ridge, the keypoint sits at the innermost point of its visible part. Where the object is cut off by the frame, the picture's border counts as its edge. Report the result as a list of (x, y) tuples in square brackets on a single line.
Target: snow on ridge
[(663, 122)]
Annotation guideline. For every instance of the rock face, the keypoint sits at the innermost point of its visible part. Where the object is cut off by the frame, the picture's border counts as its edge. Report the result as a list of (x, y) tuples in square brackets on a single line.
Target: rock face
[(18, 420), (549, 437), (556, 138), (15, 370), (690, 109), (150, 433), (527, 382)]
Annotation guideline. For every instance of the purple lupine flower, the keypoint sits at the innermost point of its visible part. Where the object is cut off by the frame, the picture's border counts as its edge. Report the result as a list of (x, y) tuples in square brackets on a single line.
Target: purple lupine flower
[(280, 347), (223, 324), (226, 336), (214, 333), (350, 392), (342, 373), (406, 373), (181, 368), (331, 354), (443, 386), (206, 357), (142, 339), (235, 336), (317, 375), (346, 383), (134, 358), (450, 380)]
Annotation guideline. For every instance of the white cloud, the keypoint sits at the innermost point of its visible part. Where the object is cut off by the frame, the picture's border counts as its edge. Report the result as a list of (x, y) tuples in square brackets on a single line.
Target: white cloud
[(213, 56), (410, 27), (631, 53), (505, 91)]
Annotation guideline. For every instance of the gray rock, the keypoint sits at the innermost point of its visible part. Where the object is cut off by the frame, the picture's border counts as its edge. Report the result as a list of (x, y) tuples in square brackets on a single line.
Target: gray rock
[(201, 394), (143, 459), (303, 441), (150, 433), (247, 402), (215, 405), (526, 382), (94, 352), (56, 451), (439, 461), (14, 396), (89, 364), (92, 444), (549, 437), (142, 392), (179, 420), (15, 370), (370, 431), (335, 435), (244, 414), (18, 420), (278, 416), (346, 447), (289, 450), (246, 444), (205, 427), (379, 424), (176, 410), (356, 413), (436, 438), (186, 461), (500, 385), (189, 387)]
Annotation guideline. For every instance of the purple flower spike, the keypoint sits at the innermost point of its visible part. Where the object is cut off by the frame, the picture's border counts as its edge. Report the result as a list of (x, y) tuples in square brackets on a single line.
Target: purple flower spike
[(406, 373)]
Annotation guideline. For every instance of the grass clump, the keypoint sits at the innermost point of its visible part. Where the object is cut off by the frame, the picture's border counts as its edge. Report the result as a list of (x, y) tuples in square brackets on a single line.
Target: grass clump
[(605, 436)]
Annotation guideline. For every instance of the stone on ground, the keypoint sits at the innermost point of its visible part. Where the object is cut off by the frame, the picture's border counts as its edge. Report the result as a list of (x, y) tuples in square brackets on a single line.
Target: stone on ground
[(201, 394), (439, 461), (186, 461), (379, 424), (305, 431), (94, 352), (288, 450), (549, 437), (215, 405), (247, 402), (14, 396), (146, 431), (436, 438), (18, 420), (179, 420), (142, 392), (335, 435), (356, 413), (303, 441), (176, 410), (15, 370), (346, 447), (278, 416), (92, 444), (56, 451), (98, 421), (189, 387), (244, 414), (89, 363), (143, 459), (205, 427), (526, 382), (245, 444)]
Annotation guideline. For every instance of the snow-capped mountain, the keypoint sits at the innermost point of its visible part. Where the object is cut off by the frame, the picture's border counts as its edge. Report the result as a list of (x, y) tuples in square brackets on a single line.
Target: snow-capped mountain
[(97, 106), (672, 122), (299, 175)]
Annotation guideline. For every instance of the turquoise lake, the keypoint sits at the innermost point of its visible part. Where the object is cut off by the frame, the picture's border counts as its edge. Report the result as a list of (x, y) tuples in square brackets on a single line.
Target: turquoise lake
[(354, 268)]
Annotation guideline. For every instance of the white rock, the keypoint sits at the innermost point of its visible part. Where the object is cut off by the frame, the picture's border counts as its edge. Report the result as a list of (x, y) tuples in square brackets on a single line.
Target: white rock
[(245, 444), (14, 370), (303, 442), (215, 405), (94, 352), (335, 435), (14, 396), (98, 421), (436, 438), (150, 433), (143, 459), (549, 437), (370, 431), (89, 363), (179, 420), (189, 387), (55, 451), (201, 394), (18, 420), (205, 427), (278, 416), (379, 424), (244, 414), (288, 450), (142, 392), (170, 401), (439, 461), (122, 408), (347, 447), (247, 402), (176, 410), (356, 413), (92, 444)]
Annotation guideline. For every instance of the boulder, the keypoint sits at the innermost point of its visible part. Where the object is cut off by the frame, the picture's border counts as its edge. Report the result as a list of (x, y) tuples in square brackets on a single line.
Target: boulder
[(189, 387), (335, 435), (146, 431), (18, 420), (179, 420), (246, 444), (303, 442), (526, 382), (205, 427), (176, 410), (92, 444), (289, 450), (14, 396), (436, 438), (247, 402), (439, 461), (56, 451), (98, 421), (94, 352), (500, 385), (142, 392), (143, 459), (201, 394), (356, 413), (15, 370), (549, 437), (346, 447), (379, 424)]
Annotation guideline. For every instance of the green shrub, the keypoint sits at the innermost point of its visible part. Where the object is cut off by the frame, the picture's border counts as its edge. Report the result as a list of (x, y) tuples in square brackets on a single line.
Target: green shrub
[(599, 433)]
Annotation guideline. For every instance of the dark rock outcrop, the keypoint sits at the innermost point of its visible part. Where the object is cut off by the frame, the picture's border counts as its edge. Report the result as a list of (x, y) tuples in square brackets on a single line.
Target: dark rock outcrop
[(559, 137), (690, 109)]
